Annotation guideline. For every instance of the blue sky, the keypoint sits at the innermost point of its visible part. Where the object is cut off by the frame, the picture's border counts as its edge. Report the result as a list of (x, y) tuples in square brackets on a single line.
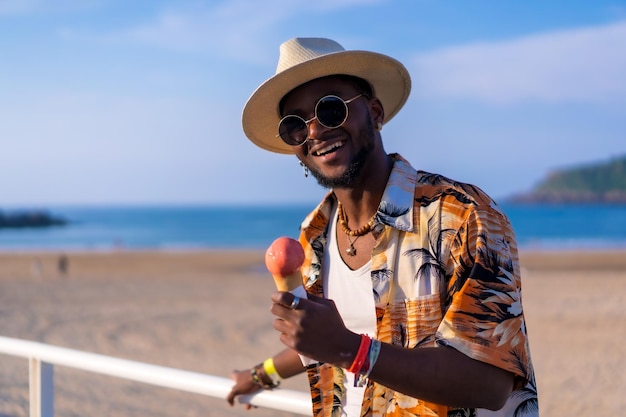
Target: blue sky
[(139, 102)]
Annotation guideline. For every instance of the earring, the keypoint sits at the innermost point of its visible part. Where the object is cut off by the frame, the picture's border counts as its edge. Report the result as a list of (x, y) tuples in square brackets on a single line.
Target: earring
[(379, 126), (306, 169)]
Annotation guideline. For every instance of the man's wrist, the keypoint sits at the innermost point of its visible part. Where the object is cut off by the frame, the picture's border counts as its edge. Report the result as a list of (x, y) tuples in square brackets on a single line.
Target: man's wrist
[(346, 358), (260, 376)]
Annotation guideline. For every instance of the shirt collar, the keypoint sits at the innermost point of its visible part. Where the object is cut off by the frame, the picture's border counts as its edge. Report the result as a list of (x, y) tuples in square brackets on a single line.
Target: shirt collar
[(395, 208)]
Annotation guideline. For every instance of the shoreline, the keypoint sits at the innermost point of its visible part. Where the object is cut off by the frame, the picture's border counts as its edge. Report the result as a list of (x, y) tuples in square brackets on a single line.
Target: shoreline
[(532, 249), (543, 257)]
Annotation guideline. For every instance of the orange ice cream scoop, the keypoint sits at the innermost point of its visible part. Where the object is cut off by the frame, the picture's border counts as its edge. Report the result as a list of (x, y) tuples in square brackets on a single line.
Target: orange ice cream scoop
[(283, 259)]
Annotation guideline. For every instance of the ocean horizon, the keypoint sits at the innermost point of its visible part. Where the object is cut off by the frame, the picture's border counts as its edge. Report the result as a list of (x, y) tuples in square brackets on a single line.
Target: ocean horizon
[(537, 226)]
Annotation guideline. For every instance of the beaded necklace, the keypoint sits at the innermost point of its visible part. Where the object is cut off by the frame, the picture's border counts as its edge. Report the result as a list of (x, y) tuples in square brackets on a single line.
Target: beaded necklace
[(362, 231)]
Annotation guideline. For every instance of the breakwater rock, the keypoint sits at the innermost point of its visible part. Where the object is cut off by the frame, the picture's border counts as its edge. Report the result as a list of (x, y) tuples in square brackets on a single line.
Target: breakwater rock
[(29, 218)]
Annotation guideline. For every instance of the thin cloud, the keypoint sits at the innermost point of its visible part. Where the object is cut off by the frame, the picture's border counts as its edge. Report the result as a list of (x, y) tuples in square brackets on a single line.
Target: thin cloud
[(220, 29), (233, 29), (578, 65), (236, 29)]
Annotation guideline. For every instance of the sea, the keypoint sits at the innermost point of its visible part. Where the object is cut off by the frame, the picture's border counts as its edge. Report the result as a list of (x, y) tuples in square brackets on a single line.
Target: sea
[(537, 226)]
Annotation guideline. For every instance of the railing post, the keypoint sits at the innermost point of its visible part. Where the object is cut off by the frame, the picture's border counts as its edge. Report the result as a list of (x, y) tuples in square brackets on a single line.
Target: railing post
[(41, 387)]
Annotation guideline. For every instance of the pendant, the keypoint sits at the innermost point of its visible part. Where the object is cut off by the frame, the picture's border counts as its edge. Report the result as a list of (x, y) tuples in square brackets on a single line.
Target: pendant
[(351, 251)]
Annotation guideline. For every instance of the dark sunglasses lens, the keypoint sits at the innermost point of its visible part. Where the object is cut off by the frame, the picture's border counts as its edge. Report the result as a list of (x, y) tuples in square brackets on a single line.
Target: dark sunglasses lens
[(331, 111), (292, 130)]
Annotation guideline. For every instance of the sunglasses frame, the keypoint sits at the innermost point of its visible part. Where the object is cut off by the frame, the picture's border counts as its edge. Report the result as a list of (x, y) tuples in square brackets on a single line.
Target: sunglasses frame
[(307, 122)]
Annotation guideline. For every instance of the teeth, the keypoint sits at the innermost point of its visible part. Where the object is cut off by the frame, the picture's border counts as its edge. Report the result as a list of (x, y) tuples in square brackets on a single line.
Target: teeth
[(328, 149)]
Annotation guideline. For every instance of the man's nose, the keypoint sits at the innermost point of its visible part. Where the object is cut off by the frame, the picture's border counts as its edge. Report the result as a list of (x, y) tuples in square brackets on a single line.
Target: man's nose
[(315, 129)]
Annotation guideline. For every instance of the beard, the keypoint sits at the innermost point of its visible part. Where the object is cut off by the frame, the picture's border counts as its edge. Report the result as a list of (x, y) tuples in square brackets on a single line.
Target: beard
[(356, 165)]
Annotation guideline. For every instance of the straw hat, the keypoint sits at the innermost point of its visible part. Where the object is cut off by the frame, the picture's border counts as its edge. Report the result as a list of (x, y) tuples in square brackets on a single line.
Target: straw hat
[(305, 59)]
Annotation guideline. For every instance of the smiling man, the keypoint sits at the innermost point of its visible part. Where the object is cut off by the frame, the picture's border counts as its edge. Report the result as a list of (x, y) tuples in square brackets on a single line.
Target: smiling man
[(413, 280)]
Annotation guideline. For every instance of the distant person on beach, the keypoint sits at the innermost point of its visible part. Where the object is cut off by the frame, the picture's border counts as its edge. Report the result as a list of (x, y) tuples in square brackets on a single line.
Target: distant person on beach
[(63, 264), (414, 295)]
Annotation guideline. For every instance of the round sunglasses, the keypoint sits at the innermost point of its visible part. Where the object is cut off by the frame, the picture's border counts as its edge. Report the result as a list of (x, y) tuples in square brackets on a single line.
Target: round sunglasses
[(330, 111)]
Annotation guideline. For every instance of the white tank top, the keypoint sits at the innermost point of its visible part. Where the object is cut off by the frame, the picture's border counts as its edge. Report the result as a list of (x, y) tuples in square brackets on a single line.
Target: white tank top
[(352, 292)]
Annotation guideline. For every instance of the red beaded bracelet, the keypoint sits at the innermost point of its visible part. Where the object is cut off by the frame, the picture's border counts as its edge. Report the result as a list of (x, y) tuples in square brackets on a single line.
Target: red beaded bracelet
[(361, 355)]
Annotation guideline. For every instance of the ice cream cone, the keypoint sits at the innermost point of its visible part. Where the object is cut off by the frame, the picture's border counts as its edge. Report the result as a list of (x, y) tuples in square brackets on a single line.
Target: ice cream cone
[(288, 283), (283, 259)]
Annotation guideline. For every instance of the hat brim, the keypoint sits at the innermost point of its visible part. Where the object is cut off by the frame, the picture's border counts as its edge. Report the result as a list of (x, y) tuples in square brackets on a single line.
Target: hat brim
[(388, 77)]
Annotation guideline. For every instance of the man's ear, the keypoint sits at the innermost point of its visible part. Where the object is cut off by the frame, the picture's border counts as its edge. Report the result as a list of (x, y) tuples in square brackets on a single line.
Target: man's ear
[(377, 111)]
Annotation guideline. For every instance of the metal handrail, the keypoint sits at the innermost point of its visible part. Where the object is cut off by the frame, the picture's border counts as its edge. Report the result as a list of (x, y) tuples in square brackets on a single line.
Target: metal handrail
[(43, 356)]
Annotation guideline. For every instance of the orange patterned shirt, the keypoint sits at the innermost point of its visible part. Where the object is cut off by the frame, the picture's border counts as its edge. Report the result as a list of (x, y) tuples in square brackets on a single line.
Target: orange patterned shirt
[(445, 271)]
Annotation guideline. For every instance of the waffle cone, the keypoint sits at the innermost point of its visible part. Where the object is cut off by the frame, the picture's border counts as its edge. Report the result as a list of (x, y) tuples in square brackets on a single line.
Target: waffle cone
[(289, 282)]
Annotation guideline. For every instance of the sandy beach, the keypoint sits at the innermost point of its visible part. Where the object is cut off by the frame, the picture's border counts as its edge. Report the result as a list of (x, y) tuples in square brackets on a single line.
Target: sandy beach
[(208, 312)]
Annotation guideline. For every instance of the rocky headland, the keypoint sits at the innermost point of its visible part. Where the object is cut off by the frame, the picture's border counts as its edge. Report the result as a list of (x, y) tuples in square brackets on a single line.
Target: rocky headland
[(603, 182)]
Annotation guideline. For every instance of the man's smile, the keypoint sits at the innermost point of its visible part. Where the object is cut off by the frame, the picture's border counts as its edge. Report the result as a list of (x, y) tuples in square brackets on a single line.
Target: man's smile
[(328, 149)]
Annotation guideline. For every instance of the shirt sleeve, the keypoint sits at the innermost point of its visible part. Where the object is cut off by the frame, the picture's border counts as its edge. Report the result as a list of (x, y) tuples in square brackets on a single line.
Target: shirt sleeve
[(484, 317)]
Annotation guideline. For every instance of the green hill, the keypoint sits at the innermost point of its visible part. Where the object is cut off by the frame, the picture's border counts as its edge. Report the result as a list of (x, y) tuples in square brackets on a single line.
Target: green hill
[(598, 182)]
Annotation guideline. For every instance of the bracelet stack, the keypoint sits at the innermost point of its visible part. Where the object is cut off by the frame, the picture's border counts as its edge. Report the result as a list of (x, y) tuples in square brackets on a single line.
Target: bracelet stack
[(265, 374), (364, 361)]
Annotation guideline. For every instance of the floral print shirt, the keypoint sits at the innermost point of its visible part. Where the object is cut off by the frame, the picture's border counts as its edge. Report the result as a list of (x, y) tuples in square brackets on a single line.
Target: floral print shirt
[(445, 271)]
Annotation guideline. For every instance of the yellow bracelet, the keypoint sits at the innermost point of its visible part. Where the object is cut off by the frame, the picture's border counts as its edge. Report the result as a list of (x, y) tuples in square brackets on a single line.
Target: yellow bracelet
[(270, 369)]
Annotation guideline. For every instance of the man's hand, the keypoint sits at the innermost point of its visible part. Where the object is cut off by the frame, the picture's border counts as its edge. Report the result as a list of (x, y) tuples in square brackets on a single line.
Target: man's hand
[(243, 385), (314, 329)]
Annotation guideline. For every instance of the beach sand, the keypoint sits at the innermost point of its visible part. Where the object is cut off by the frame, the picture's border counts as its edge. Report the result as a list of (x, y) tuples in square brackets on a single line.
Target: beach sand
[(208, 312)]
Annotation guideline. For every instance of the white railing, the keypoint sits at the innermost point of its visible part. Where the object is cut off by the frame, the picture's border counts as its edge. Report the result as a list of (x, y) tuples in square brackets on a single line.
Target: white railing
[(42, 357)]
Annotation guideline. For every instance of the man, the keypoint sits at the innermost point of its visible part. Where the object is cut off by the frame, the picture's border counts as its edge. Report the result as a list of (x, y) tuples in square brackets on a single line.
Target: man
[(414, 300)]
